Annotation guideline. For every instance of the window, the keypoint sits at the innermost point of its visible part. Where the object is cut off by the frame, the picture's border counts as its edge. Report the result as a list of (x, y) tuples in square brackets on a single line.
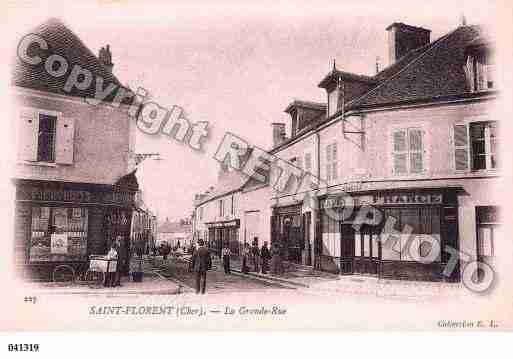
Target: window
[(46, 138), (407, 151), (333, 102), (478, 142), (331, 162), (58, 234), (200, 213), (221, 208), (484, 73), (233, 205)]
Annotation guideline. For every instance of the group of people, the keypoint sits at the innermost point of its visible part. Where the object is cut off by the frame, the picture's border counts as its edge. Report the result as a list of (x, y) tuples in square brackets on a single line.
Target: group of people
[(260, 259)]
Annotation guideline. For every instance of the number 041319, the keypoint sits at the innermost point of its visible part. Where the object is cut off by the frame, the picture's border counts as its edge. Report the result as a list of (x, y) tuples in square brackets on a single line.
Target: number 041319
[(23, 347)]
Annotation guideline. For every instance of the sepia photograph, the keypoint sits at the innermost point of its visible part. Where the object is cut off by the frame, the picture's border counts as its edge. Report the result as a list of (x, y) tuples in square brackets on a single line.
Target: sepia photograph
[(264, 166)]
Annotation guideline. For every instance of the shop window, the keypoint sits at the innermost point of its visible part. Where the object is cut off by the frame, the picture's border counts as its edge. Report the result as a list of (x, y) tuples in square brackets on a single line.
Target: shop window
[(407, 151), (425, 230), (330, 236), (487, 218), (58, 234), (331, 162)]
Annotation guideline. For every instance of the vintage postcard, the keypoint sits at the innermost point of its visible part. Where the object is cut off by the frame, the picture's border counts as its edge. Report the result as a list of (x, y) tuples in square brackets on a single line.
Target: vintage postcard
[(257, 165)]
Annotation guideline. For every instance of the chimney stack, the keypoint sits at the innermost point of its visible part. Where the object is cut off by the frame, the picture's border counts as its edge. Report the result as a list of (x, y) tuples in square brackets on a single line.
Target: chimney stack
[(105, 57), (278, 133), (403, 38)]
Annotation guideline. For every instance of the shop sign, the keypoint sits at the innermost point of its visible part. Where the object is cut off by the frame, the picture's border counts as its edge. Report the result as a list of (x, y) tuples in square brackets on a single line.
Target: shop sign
[(40, 194), (234, 223), (407, 198)]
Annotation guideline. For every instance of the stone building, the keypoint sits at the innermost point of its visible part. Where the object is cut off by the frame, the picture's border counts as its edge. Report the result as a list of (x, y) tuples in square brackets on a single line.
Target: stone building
[(74, 189), (414, 143)]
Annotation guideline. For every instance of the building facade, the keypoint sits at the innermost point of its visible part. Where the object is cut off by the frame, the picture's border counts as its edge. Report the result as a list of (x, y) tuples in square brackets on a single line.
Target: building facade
[(74, 192), (234, 212), (410, 152)]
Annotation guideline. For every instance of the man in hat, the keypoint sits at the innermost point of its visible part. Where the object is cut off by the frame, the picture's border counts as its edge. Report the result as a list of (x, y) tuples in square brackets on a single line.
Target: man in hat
[(201, 262)]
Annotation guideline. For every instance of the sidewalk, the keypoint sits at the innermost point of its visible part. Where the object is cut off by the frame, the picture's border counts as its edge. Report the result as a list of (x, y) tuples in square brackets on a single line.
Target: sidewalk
[(295, 275), (153, 284)]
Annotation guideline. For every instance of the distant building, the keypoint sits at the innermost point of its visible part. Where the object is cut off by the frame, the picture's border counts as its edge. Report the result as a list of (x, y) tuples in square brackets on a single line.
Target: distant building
[(174, 232)]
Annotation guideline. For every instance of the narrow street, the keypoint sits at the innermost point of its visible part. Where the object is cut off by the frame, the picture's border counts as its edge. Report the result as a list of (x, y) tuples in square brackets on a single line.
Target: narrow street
[(217, 281)]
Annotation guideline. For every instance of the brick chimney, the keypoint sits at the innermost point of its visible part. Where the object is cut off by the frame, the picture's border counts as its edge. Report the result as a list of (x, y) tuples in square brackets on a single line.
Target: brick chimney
[(403, 38), (105, 57), (278, 133)]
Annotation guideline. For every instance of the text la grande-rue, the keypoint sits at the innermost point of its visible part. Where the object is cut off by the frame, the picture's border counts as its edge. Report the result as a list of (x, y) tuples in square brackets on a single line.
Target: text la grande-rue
[(243, 310)]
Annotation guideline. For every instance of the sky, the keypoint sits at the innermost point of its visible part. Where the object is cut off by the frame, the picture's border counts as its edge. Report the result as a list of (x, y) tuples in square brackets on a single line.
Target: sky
[(234, 64)]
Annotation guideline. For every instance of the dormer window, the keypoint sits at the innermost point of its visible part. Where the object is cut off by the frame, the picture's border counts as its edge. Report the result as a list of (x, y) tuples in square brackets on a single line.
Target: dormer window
[(484, 73), (480, 67)]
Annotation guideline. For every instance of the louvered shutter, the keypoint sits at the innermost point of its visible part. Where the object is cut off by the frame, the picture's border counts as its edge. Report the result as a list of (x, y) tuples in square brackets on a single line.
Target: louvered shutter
[(416, 150), (461, 148), (64, 142), (399, 152), (28, 131), (334, 160), (328, 162), (308, 162)]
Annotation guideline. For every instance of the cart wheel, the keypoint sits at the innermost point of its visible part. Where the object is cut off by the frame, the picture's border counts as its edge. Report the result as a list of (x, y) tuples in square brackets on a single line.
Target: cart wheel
[(95, 279), (63, 274)]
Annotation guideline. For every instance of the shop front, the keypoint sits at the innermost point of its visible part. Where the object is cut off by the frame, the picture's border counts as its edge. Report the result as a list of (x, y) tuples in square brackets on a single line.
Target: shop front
[(63, 223), (396, 234), (290, 229), (223, 232)]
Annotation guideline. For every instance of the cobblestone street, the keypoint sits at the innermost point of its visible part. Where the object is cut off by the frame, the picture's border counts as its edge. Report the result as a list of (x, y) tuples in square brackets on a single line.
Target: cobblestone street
[(217, 281)]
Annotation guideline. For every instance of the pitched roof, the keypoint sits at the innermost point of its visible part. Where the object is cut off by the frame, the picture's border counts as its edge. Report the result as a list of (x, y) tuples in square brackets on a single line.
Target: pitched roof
[(64, 42), (431, 71), (306, 104), (229, 181), (335, 74)]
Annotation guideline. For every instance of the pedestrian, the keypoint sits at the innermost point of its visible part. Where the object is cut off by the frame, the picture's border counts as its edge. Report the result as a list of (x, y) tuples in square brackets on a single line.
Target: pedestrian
[(275, 259), (226, 258), (255, 255), (246, 253), (122, 253), (265, 256), (110, 277), (201, 263)]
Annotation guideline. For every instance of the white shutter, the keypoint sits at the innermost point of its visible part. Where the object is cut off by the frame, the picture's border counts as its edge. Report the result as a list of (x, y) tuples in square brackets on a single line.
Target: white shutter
[(461, 148), (334, 159), (416, 149), (28, 131), (65, 134), (399, 152), (308, 162)]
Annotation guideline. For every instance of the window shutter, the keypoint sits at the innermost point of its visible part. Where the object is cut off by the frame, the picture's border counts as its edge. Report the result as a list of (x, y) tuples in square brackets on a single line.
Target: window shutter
[(308, 162), (65, 134), (28, 131), (416, 151), (399, 152), (334, 166), (461, 148)]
